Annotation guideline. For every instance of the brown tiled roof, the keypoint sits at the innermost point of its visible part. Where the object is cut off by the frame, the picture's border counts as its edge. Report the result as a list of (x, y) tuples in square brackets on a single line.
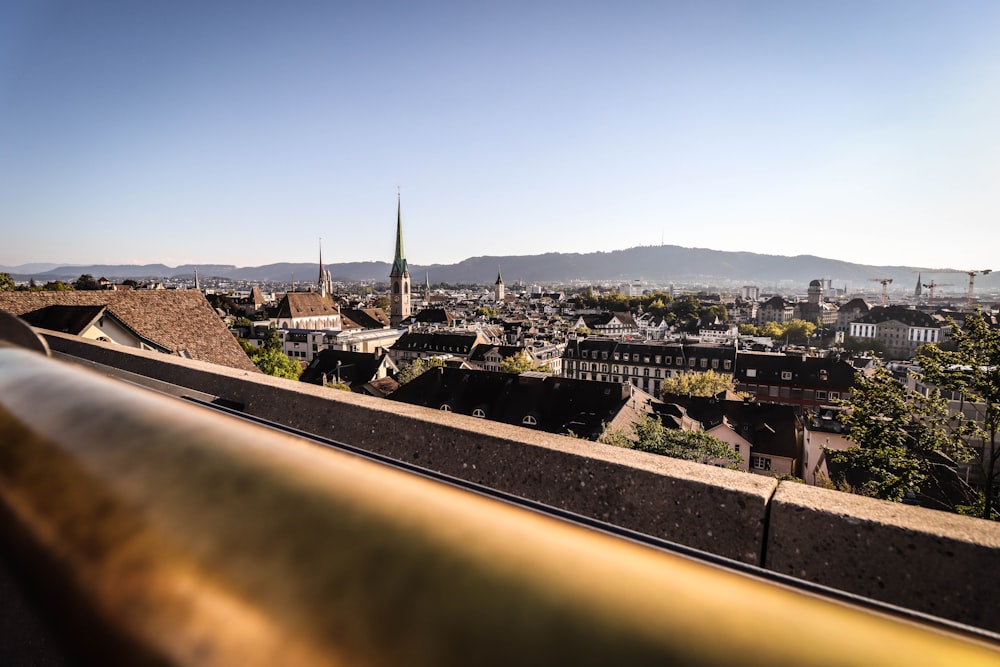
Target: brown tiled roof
[(306, 304), (178, 320)]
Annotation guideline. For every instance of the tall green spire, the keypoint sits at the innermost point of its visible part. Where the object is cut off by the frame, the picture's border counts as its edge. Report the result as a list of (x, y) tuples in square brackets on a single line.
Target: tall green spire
[(399, 267)]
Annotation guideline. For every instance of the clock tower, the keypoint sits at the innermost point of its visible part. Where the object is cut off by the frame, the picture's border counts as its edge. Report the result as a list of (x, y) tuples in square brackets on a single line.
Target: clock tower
[(399, 277)]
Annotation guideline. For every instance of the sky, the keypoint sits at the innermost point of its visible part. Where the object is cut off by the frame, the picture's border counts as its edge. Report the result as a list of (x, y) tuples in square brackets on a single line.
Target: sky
[(242, 132)]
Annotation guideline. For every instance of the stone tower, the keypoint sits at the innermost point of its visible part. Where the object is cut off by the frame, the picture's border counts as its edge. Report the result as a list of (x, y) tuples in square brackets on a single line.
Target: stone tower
[(399, 277)]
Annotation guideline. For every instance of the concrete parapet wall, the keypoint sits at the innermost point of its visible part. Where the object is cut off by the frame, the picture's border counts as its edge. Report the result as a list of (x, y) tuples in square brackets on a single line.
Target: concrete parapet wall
[(934, 562), (929, 561)]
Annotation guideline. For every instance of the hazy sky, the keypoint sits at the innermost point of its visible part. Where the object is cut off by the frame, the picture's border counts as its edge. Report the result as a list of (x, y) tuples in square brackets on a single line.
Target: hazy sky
[(240, 132)]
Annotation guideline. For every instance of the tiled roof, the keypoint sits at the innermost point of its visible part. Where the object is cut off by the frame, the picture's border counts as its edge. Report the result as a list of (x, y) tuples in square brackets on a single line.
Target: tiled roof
[(177, 320), (305, 304)]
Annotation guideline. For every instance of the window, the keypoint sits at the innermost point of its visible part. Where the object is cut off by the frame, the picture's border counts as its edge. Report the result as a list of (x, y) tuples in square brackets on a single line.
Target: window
[(616, 356), (727, 364), (704, 363), (691, 362), (479, 412), (446, 407), (820, 395), (751, 372), (824, 375), (659, 373), (834, 395), (625, 356), (529, 420), (715, 363), (760, 462), (658, 359), (774, 391), (786, 375)]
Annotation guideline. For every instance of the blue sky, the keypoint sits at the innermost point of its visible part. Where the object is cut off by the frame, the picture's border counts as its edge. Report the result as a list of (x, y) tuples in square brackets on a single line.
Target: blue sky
[(240, 132)]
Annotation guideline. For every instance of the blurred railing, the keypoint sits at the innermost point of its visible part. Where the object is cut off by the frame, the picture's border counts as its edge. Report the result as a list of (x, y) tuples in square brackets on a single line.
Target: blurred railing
[(153, 531)]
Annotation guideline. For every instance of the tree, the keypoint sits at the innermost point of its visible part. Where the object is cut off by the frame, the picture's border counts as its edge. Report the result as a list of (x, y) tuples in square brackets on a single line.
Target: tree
[(6, 283), (382, 301), (652, 436), (86, 282), (799, 331), (485, 311), (416, 368), (522, 363), (897, 432), (57, 286), (748, 330), (272, 361), (708, 383), (971, 369)]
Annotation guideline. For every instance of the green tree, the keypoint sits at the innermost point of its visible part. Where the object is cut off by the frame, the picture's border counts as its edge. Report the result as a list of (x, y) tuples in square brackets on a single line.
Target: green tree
[(272, 361), (652, 436), (485, 311), (415, 368), (86, 282), (57, 286), (6, 283), (772, 330), (896, 432), (708, 383), (522, 363), (748, 330), (971, 369), (382, 301), (798, 331)]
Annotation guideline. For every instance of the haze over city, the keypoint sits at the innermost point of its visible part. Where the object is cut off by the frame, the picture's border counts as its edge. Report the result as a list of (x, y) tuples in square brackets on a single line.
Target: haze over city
[(239, 134)]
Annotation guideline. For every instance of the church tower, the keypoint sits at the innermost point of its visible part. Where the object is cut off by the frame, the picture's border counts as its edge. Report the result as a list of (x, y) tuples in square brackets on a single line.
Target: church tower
[(399, 277), (499, 287)]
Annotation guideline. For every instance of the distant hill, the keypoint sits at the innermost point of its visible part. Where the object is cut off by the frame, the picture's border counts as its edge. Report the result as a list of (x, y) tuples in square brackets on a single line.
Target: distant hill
[(657, 264)]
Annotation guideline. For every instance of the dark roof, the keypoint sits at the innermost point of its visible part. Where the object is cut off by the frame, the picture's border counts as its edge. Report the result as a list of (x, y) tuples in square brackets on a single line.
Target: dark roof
[(355, 367), (806, 371), (771, 429), (365, 318), (480, 351), (555, 403), (435, 316), (907, 316), (180, 321), (457, 342), (67, 319)]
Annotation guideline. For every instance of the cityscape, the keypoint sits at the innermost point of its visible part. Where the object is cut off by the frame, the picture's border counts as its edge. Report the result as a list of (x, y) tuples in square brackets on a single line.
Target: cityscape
[(524, 333)]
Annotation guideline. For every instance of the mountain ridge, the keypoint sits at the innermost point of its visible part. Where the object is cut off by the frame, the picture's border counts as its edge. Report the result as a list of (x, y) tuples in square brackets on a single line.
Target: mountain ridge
[(652, 264)]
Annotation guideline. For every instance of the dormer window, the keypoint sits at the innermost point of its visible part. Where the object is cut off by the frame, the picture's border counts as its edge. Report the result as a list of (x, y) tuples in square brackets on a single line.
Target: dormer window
[(529, 420), (480, 413)]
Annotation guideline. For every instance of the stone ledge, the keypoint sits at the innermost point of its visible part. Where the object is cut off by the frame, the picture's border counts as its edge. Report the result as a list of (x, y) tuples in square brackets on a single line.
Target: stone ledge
[(934, 562)]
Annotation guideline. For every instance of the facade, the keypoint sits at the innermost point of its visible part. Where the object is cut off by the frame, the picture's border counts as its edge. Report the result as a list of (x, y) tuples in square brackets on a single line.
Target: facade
[(899, 329), (796, 380), (307, 310), (775, 309), (645, 365), (399, 277), (422, 344)]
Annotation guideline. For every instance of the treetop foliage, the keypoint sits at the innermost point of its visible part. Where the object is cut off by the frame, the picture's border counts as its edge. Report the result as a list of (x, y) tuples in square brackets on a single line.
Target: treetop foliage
[(652, 436)]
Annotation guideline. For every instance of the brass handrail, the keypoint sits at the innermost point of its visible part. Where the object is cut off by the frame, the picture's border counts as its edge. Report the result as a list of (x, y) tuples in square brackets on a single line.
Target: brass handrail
[(182, 536)]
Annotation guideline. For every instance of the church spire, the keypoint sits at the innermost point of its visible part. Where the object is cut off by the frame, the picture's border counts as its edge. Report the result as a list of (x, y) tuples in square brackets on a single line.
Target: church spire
[(499, 276), (399, 267), (399, 277), (322, 275)]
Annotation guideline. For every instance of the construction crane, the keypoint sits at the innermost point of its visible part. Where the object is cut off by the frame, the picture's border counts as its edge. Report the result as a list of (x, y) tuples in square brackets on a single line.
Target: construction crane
[(885, 282), (972, 279), (931, 285)]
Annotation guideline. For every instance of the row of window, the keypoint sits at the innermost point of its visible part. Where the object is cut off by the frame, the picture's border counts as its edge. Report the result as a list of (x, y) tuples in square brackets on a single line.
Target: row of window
[(772, 391), (646, 358), (692, 363), (529, 420)]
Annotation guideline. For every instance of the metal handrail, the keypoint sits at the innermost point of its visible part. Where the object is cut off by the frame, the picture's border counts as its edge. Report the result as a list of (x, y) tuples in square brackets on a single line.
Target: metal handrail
[(182, 536)]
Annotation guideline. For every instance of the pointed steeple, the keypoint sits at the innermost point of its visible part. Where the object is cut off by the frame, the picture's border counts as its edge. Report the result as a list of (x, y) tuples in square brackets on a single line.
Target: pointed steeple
[(499, 276), (399, 267), (919, 289), (427, 284), (322, 273)]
